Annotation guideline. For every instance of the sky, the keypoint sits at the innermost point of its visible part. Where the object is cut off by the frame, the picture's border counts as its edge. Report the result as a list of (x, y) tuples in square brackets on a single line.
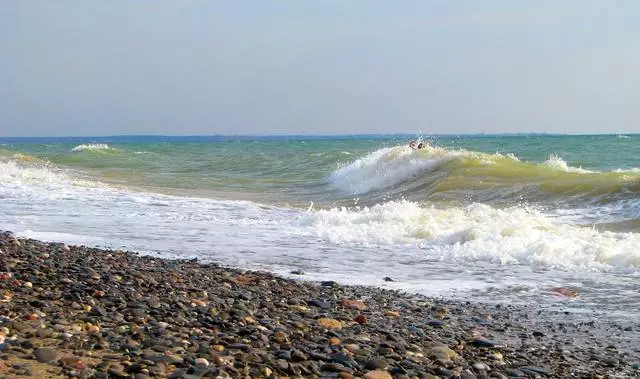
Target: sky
[(89, 68)]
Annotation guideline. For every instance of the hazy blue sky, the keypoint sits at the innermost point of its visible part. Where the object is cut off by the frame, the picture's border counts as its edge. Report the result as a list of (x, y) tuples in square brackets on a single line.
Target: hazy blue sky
[(324, 67)]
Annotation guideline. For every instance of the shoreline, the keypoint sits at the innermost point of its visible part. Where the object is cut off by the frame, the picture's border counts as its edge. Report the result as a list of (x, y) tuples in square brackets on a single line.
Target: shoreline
[(88, 312)]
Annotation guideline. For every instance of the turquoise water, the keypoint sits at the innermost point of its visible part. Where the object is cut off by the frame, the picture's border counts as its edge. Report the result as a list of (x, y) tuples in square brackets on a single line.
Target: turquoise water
[(495, 218), (553, 171)]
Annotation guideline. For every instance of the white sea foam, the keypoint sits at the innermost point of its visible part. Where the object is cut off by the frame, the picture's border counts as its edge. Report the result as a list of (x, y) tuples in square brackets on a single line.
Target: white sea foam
[(479, 233), (386, 167), (558, 163), (632, 170), (92, 147), (425, 249), (13, 174)]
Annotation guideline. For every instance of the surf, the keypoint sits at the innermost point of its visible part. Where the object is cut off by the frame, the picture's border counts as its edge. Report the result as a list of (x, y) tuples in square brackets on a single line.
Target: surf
[(440, 174)]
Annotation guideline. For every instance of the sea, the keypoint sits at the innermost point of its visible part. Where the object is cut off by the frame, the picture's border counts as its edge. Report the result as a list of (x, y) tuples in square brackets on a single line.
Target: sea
[(517, 219)]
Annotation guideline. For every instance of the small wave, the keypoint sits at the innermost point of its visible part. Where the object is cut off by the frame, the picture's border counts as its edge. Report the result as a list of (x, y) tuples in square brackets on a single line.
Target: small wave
[(632, 170), (388, 166), (92, 147), (622, 136), (36, 172)]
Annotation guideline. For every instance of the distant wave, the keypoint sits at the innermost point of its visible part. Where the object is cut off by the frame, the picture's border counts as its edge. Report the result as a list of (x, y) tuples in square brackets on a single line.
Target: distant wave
[(92, 147)]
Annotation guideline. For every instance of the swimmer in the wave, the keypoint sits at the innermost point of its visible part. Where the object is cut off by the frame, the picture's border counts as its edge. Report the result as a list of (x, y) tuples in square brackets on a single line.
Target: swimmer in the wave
[(418, 145)]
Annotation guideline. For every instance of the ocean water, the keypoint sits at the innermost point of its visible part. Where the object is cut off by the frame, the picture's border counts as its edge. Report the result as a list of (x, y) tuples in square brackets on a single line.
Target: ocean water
[(480, 218)]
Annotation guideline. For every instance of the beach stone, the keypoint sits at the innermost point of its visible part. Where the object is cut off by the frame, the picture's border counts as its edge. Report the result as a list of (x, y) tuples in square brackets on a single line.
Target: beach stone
[(387, 279), (354, 304), (332, 367), (334, 341), (360, 319), (377, 374), (514, 372), (481, 366), (485, 343), (319, 303), (201, 362), (535, 370), (298, 356), (376, 363), (117, 371), (46, 355), (443, 352), (352, 347), (392, 314), (330, 323)]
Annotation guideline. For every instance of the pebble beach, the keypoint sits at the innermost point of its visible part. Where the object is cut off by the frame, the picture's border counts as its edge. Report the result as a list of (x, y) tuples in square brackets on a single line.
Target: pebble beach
[(74, 311)]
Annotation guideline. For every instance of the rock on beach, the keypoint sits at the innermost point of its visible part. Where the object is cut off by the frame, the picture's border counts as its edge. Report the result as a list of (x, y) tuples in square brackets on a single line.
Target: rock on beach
[(74, 311)]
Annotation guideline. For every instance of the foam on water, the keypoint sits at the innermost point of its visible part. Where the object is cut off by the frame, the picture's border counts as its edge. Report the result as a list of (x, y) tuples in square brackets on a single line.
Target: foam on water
[(560, 164), (480, 233), (92, 147), (387, 167), (15, 174), (427, 249)]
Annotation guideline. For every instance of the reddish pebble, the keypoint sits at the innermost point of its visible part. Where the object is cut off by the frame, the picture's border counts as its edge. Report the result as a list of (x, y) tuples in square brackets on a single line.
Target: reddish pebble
[(356, 304), (361, 319)]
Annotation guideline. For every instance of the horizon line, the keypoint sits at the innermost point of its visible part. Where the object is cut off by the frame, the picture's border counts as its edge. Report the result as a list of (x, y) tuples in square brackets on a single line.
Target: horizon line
[(317, 135)]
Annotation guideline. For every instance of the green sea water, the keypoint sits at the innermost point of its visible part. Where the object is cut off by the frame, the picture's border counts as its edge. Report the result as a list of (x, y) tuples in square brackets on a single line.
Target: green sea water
[(549, 170), (497, 218)]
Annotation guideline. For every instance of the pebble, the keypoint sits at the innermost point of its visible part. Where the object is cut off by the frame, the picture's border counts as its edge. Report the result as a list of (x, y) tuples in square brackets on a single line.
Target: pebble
[(535, 370), (443, 352), (329, 323), (481, 366), (355, 304), (376, 363), (46, 355), (377, 374), (485, 343), (122, 315)]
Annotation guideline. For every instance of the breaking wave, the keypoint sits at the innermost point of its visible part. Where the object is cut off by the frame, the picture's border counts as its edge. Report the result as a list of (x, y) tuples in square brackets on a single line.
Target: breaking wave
[(435, 173)]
